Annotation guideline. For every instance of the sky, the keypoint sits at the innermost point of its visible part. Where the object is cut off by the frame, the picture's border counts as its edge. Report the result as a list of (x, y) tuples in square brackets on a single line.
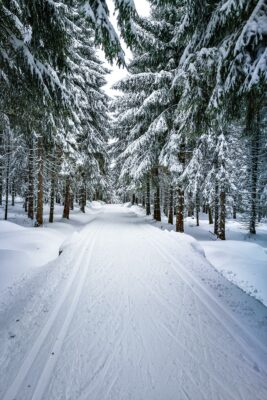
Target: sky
[(117, 73)]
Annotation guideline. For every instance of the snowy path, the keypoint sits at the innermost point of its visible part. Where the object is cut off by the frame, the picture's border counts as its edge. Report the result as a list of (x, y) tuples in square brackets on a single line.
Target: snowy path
[(129, 312)]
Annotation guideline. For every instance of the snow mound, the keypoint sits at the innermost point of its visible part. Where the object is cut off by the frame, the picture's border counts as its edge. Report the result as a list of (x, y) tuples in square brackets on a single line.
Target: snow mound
[(7, 226), (243, 263)]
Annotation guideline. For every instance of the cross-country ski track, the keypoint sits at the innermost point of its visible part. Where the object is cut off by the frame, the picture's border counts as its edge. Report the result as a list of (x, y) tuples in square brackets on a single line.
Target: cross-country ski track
[(131, 312)]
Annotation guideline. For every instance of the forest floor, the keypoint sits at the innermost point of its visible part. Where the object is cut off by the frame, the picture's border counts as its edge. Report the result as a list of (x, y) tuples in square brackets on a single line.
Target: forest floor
[(129, 311)]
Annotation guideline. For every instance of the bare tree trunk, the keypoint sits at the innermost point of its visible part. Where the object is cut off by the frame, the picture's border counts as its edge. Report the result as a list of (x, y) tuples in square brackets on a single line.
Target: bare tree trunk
[(82, 202), (157, 205), (170, 218), (26, 203), (216, 208), (133, 200), (72, 201), (40, 192), (1, 164), (197, 208), (255, 141), (180, 211), (154, 205), (31, 182), (7, 174), (221, 232), (52, 198), (210, 215), (234, 212), (157, 214), (180, 195), (66, 211), (13, 192), (148, 209), (83, 196), (166, 200)]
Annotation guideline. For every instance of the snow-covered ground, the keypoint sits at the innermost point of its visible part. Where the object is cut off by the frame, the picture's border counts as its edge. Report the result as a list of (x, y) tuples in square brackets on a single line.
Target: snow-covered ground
[(24, 248), (242, 258), (129, 311)]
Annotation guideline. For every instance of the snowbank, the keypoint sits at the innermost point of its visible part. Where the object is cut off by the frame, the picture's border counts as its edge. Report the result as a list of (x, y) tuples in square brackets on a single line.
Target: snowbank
[(242, 258), (243, 263), (24, 248)]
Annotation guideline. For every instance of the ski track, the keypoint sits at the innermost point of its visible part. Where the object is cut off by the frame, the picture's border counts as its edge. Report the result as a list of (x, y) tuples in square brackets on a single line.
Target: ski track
[(135, 322), (219, 312)]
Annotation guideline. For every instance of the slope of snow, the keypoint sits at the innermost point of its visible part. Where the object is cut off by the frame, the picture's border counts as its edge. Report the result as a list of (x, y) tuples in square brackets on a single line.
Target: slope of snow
[(23, 247), (243, 263), (242, 258), (131, 312)]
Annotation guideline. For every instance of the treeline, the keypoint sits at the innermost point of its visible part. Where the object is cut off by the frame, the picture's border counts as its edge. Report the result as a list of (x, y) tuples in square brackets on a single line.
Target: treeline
[(191, 121), (53, 110)]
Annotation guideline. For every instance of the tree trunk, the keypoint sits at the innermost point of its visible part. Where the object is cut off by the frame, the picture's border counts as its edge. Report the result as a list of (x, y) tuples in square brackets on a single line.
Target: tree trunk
[(31, 183), (1, 164), (170, 218), (154, 206), (221, 232), (180, 195), (52, 197), (143, 200), (197, 208), (82, 202), (7, 175), (216, 208), (13, 193), (66, 211), (166, 200), (157, 214), (157, 205), (40, 193), (133, 200), (26, 203), (180, 211), (210, 215), (148, 209), (255, 147), (83, 197), (234, 211), (72, 201)]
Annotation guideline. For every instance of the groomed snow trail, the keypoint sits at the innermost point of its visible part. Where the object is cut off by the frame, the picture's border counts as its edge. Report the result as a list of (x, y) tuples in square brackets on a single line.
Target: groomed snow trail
[(131, 312)]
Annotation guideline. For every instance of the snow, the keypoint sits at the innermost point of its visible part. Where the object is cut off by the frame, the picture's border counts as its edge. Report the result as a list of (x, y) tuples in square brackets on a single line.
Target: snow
[(130, 311), (242, 258), (244, 264), (24, 248)]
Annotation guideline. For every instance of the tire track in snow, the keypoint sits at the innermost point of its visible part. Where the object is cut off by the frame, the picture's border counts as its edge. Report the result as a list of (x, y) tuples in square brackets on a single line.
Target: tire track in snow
[(30, 358)]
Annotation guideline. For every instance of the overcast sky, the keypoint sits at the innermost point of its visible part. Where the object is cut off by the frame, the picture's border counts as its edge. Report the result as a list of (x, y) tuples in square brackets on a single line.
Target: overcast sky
[(143, 9)]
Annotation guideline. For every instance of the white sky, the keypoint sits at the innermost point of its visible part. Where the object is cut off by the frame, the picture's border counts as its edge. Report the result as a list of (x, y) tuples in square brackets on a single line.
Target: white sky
[(117, 73)]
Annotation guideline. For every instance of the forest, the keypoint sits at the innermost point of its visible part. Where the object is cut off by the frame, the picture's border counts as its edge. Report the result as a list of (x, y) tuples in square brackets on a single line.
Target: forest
[(187, 131), (133, 199)]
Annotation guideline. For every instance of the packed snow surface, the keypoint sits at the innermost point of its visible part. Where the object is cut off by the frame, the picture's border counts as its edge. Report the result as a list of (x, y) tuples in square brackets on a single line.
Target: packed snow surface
[(242, 258), (129, 311)]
